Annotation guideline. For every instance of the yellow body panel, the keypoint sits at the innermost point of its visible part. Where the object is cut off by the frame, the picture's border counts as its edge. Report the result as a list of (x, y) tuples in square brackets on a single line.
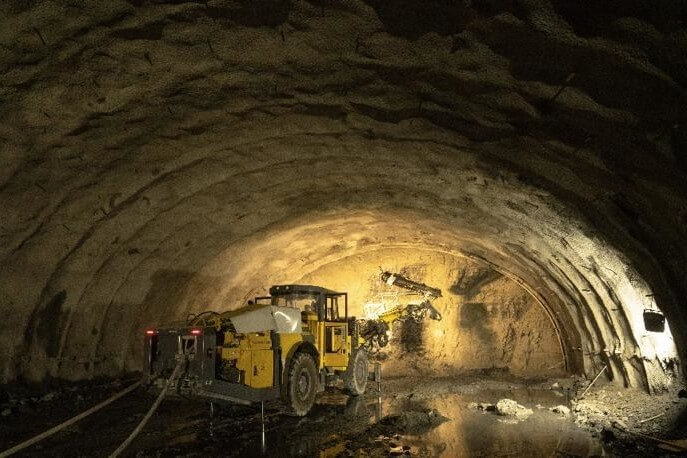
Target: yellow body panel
[(254, 358), (262, 373), (391, 315), (286, 343), (333, 345)]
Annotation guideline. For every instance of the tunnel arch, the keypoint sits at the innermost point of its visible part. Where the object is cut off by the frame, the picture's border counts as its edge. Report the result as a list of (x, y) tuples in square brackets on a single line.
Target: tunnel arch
[(479, 216), (240, 290), (124, 199)]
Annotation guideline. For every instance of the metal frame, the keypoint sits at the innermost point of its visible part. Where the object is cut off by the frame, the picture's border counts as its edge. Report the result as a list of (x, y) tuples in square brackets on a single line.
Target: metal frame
[(202, 367), (220, 388), (321, 293), (337, 296)]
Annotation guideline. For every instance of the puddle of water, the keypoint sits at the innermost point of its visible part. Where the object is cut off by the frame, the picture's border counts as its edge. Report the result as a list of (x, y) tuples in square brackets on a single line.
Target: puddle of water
[(468, 431), (335, 425), (471, 432)]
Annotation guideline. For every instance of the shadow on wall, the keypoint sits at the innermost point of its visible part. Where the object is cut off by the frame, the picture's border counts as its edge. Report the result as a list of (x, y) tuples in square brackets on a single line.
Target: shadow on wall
[(120, 346), (116, 339), (475, 317), (470, 281), (489, 322), (111, 342), (411, 336), (48, 323)]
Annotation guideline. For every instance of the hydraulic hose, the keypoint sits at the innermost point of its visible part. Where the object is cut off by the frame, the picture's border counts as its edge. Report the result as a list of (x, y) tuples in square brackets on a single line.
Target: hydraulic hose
[(150, 413), (84, 414), (71, 421)]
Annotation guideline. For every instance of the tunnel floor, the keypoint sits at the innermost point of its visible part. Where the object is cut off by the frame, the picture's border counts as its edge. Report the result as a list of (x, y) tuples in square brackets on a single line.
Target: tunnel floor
[(413, 416)]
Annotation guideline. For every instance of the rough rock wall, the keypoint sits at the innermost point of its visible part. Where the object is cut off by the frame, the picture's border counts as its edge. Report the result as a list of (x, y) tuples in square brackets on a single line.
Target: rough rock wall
[(489, 321), (152, 152)]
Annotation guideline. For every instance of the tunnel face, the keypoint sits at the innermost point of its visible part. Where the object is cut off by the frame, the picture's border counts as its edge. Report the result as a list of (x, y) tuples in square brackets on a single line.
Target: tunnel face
[(489, 322), (164, 158)]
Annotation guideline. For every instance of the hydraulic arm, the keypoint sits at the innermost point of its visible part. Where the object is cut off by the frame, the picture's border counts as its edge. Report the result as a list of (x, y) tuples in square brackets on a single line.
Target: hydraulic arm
[(376, 331)]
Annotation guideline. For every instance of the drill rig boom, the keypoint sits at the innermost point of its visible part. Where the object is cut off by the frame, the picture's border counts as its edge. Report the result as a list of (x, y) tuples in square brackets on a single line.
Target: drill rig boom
[(402, 282), (376, 332)]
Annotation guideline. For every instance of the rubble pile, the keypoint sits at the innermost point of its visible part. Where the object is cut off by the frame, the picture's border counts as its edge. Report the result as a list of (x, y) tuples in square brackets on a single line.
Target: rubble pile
[(632, 419), (562, 410), (510, 408)]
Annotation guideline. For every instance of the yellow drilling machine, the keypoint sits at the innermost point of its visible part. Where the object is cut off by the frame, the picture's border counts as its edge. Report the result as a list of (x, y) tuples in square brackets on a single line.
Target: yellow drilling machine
[(289, 345)]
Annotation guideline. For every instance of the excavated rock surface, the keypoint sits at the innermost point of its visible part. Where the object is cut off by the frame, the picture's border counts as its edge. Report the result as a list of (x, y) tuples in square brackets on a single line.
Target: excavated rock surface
[(160, 158), (488, 320)]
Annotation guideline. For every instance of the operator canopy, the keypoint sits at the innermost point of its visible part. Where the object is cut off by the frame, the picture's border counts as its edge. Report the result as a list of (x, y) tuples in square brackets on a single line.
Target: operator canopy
[(283, 313)]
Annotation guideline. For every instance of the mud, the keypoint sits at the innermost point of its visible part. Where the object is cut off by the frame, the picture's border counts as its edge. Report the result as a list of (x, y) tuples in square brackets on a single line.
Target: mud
[(411, 416)]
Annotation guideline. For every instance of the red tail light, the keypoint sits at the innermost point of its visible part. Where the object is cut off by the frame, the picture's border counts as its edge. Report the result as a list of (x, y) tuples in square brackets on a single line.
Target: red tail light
[(151, 332), (196, 332)]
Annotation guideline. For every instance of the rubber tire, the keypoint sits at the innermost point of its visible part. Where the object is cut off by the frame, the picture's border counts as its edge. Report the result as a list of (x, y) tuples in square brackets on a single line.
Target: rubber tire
[(300, 399), (355, 377)]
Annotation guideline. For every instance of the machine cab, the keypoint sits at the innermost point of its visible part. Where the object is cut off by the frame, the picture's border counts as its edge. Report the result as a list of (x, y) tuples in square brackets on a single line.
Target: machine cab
[(324, 315)]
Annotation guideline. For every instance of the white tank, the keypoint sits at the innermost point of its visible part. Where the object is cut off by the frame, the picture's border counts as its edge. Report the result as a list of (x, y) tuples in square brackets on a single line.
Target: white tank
[(268, 318)]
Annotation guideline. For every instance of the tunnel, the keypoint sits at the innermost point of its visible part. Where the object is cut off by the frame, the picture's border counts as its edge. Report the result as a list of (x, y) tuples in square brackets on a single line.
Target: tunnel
[(528, 158)]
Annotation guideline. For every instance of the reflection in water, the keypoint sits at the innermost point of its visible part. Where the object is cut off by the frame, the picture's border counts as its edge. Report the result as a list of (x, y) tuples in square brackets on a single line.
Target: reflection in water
[(339, 425), (471, 432), (263, 439)]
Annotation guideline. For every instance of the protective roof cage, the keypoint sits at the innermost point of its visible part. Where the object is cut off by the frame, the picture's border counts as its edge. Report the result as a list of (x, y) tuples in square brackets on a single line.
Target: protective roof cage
[(327, 299)]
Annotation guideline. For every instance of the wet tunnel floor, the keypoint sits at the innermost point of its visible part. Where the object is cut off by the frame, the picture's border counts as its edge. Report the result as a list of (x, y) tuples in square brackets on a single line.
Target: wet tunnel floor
[(340, 427), (414, 416)]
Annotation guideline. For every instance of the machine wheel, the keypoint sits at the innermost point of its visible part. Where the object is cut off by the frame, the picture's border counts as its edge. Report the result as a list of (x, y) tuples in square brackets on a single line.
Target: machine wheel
[(355, 377), (302, 384)]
